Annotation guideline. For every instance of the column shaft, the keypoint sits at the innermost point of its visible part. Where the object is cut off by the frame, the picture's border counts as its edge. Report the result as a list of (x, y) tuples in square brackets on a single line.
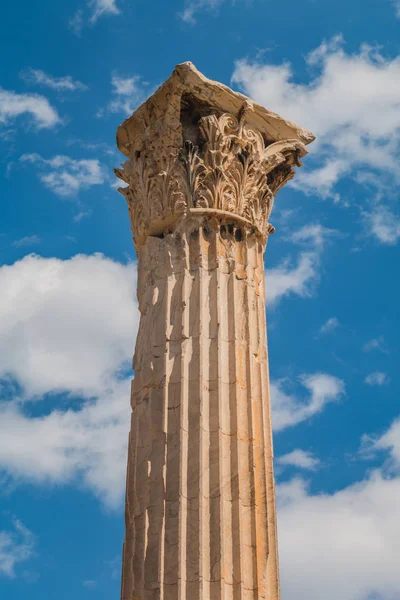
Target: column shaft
[(200, 510)]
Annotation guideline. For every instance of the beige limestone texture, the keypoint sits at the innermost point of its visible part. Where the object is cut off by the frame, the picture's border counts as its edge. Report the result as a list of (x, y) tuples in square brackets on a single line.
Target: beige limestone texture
[(204, 165)]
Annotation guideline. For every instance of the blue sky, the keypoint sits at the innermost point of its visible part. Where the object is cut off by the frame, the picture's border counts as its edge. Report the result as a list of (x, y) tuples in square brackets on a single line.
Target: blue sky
[(68, 314)]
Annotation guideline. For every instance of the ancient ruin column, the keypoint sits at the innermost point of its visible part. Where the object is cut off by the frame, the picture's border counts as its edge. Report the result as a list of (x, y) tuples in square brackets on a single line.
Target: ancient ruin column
[(204, 164)]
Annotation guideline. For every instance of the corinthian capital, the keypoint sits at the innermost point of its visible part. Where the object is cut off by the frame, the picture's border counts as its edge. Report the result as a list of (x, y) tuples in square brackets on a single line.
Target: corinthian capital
[(197, 147)]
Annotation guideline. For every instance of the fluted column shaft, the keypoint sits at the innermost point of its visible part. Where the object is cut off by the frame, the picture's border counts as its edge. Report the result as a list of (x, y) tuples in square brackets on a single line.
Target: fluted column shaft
[(200, 502)]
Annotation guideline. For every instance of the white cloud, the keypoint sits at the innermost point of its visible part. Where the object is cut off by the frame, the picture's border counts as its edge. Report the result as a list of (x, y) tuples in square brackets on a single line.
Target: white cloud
[(350, 102), (86, 444), (286, 279), (16, 546), (26, 241), (67, 326), (288, 410), (114, 566), (13, 105), (376, 344), (95, 10), (377, 378), (389, 441), (194, 6), (321, 180), (344, 544), (77, 22), (102, 7), (299, 458), (341, 545), (81, 215), (300, 279), (128, 93), (396, 4), (330, 103), (67, 176), (117, 183), (125, 86), (314, 234), (60, 84), (97, 147), (384, 224), (329, 326)]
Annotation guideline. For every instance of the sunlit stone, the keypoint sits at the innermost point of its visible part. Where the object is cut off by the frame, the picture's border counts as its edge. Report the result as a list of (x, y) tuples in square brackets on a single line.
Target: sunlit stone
[(204, 165)]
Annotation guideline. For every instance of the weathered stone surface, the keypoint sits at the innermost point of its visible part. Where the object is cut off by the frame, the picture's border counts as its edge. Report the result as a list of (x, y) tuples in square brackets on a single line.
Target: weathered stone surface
[(204, 166), (195, 145)]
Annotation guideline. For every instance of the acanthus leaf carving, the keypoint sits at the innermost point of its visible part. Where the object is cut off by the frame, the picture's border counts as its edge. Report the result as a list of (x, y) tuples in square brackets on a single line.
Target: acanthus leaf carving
[(232, 170), (193, 169)]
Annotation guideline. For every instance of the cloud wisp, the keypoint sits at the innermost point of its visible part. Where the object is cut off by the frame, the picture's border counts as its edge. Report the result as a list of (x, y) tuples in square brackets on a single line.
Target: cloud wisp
[(329, 326), (302, 277), (66, 176), (300, 459), (287, 279), (42, 114), (102, 8), (377, 378), (30, 240), (127, 94), (192, 7), (59, 84), (288, 410), (384, 224), (91, 14), (16, 546), (389, 441), (376, 344)]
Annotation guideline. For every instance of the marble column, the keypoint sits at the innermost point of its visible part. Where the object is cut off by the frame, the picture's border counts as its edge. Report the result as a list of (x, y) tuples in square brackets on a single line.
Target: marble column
[(204, 165)]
